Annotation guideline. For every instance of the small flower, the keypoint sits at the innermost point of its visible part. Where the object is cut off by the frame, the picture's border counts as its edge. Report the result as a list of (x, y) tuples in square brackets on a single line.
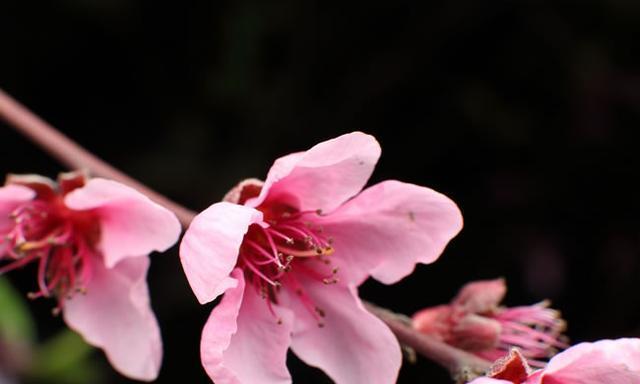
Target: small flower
[(474, 322), (89, 242), (289, 254), (605, 361)]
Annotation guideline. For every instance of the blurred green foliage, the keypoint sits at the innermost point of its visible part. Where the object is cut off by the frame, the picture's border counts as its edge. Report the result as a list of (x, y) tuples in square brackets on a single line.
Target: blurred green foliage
[(66, 359), (62, 359), (16, 323)]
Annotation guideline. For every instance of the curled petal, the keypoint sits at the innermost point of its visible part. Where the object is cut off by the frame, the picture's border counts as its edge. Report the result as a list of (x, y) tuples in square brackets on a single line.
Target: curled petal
[(130, 223), (210, 246), (68, 181), (353, 346), (481, 296), (115, 315), (243, 342), (324, 176), (388, 228), (44, 187)]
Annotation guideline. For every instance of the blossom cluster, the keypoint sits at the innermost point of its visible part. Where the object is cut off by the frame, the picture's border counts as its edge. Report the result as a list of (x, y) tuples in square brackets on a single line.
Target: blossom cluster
[(286, 255)]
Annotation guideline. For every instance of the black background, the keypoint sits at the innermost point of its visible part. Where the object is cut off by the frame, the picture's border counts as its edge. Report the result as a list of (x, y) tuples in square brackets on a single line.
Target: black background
[(524, 112)]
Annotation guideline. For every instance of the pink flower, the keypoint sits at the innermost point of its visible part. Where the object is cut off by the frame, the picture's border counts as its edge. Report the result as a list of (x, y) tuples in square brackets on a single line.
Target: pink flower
[(474, 322), (605, 361), (93, 238), (290, 253)]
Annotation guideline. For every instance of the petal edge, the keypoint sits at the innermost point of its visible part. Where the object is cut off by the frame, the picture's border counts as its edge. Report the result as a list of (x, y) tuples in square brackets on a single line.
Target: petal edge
[(210, 246)]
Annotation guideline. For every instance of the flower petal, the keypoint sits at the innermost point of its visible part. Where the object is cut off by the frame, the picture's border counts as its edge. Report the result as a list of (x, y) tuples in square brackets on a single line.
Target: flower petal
[(535, 377), (10, 197), (130, 223), (481, 296), (605, 361), (627, 350), (324, 176), (44, 187), (388, 228), (353, 346), (210, 246), (115, 315), (434, 321), (243, 342)]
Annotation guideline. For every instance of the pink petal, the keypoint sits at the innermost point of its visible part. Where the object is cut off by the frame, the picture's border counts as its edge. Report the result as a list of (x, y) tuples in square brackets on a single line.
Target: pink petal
[(243, 342), (115, 315), (324, 176), (44, 187), (434, 321), (476, 333), (606, 361), (627, 350), (130, 223), (481, 296), (388, 228), (353, 346), (535, 377), (210, 246), (10, 197)]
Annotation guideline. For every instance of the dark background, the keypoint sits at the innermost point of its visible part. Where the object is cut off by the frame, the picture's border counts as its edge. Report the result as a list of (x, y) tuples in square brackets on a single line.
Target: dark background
[(524, 112)]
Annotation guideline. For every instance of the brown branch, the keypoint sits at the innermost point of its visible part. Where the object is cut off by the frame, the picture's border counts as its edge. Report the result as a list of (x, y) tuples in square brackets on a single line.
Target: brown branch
[(461, 364), (73, 155)]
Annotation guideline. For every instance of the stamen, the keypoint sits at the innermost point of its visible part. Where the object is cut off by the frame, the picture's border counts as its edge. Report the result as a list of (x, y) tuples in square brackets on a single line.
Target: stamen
[(287, 263), (281, 235), (296, 215), (272, 255), (303, 233), (45, 233), (256, 270), (333, 279), (305, 253), (17, 264), (271, 258), (34, 295), (42, 268), (272, 243)]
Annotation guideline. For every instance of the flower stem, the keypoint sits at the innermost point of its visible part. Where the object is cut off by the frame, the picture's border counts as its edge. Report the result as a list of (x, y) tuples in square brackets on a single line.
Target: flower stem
[(73, 155), (461, 364)]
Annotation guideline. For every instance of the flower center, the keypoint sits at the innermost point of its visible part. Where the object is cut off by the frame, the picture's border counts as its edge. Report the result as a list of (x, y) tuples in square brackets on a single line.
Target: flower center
[(60, 241), (286, 245)]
